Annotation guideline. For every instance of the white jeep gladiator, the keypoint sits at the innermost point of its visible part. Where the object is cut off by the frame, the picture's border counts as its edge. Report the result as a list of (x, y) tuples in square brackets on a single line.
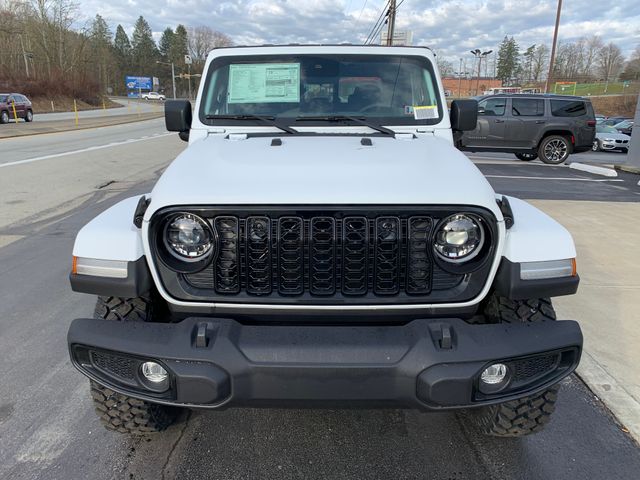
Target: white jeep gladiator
[(321, 242)]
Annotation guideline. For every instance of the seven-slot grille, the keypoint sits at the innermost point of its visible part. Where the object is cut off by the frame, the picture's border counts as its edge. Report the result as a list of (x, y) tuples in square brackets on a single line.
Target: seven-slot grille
[(323, 256)]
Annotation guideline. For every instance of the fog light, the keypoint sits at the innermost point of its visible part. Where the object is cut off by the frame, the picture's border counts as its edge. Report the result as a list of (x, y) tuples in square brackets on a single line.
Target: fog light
[(154, 372), (494, 374)]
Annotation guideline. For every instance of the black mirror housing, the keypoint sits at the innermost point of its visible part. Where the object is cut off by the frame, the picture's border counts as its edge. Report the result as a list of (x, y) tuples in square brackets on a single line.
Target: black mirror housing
[(178, 116), (464, 115)]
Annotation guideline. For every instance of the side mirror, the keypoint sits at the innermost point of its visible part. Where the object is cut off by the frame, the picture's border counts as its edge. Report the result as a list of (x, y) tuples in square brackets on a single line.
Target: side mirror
[(464, 115), (177, 117)]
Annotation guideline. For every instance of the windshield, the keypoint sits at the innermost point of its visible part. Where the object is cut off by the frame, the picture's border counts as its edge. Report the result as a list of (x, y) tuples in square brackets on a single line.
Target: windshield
[(385, 89), (3, 98), (605, 129), (624, 124)]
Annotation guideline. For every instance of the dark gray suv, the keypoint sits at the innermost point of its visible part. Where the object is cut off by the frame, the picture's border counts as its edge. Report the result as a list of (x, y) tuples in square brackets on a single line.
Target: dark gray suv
[(547, 126)]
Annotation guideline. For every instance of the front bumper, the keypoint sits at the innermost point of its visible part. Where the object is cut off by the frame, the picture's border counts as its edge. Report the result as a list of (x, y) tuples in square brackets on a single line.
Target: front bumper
[(427, 364), (613, 145)]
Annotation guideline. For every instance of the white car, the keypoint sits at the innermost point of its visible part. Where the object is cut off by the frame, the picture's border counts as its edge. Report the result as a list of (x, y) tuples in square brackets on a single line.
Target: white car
[(153, 96), (321, 242), (608, 138)]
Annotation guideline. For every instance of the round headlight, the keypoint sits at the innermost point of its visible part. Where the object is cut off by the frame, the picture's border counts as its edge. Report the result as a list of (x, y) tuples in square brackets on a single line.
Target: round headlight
[(188, 237), (459, 238)]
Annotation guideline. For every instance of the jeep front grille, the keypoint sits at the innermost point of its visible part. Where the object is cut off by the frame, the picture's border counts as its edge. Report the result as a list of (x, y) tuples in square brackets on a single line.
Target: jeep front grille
[(309, 257)]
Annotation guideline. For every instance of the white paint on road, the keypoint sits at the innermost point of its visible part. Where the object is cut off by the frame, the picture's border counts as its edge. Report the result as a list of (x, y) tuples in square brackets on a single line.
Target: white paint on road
[(84, 150), (568, 179)]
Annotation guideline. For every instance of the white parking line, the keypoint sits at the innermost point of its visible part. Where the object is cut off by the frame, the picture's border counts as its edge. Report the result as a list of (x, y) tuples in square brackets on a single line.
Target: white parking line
[(568, 179), (83, 150)]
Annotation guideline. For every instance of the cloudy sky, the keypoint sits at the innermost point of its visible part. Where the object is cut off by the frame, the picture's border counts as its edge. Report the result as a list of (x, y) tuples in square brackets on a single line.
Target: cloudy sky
[(451, 28)]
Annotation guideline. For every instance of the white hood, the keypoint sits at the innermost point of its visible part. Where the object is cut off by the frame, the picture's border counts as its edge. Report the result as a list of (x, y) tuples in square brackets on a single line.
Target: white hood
[(325, 170)]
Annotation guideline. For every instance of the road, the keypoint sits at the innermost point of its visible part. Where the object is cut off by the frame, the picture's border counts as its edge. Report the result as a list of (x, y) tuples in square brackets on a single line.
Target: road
[(49, 431)]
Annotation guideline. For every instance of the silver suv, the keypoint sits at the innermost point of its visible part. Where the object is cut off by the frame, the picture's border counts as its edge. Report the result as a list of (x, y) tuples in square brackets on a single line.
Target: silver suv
[(547, 126)]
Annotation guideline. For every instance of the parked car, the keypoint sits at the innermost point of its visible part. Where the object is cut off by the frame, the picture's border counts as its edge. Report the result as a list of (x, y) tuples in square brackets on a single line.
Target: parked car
[(609, 138), (626, 127), (23, 107), (531, 125), (611, 121), (153, 96), (600, 118), (310, 248)]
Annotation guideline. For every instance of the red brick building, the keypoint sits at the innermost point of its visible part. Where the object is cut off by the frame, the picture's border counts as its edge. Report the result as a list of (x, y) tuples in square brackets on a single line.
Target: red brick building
[(468, 87)]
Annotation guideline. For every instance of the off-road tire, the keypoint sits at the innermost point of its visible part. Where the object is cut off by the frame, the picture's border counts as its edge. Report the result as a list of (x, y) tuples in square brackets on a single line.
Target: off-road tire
[(118, 412), (123, 414), (547, 144), (519, 417), (526, 415), (526, 157)]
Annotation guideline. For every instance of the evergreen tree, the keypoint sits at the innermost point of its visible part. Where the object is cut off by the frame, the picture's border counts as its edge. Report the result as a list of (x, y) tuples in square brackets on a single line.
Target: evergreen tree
[(528, 59), (144, 49), (179, 45), (122, 48), (508, 60), (100, 47), (164, 46)]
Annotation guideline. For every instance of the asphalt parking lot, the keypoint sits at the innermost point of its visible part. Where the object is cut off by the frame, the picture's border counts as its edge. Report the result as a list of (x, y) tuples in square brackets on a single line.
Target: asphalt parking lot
[(49, 431)]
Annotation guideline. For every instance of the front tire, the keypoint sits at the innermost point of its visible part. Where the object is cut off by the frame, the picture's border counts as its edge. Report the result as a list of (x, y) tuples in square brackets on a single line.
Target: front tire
[(596, 146), (526, 415), (29, 116), (118, 412), (554, 149)]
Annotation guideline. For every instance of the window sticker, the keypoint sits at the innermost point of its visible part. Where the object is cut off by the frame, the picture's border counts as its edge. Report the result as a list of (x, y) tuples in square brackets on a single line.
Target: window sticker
[(426, 112), (264, 83)]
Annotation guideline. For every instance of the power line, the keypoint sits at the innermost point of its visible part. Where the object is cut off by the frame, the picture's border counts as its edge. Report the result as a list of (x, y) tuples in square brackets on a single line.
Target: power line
[(378, 25), (362, 10)]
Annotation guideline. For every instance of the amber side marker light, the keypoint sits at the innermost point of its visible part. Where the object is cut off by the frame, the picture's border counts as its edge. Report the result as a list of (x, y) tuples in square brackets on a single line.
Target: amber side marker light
[(74, 265), (574, 267)]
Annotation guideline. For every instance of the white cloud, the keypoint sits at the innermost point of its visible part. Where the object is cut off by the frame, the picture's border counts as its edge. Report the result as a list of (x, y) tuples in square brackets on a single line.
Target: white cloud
[(451, 28)]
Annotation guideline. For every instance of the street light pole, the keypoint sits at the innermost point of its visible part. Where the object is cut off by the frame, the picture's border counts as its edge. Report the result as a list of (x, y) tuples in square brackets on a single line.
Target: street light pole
[(173, 75), (479, 54)]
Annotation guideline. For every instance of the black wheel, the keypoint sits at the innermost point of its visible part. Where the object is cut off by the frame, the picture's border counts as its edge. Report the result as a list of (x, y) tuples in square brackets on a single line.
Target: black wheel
[(29, 116), (118, 412), (526, 157), (4, 117), (525, 415), (554, 149), (596, 146)]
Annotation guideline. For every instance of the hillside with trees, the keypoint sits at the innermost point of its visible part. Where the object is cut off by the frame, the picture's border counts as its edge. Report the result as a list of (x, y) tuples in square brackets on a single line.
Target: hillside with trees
[(46, 54)]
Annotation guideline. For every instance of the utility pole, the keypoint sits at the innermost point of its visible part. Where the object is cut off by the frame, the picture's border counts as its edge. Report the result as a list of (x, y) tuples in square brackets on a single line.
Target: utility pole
[(392, 23), (460, 80), (173, 75), (553, 47)]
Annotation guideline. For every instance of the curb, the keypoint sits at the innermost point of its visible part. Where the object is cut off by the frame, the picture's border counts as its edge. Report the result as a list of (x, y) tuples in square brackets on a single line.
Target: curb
[(628, 169), (617, 399), (607, 172)]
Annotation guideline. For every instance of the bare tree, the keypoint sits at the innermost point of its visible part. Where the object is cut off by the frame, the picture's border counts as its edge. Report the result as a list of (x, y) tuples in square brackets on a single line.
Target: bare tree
[(539, 62), (593, 45), (610, 61), (202, 40), (444, 66)]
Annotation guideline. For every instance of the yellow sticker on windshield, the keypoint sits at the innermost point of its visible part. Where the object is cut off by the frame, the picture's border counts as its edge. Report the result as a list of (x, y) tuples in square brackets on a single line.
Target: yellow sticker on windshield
[(264, 83), (425, 112)]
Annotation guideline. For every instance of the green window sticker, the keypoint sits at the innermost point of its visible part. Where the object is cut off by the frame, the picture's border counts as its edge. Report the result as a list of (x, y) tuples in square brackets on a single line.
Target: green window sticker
[(264, 83)]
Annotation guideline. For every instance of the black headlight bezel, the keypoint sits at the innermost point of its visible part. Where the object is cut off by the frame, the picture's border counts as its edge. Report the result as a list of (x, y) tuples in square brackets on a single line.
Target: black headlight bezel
[(472, 261), (173, 260)]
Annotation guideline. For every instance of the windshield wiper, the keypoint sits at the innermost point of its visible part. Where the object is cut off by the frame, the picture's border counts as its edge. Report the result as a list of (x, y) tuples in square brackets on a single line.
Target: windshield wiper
[(341, 118), (269, 120)]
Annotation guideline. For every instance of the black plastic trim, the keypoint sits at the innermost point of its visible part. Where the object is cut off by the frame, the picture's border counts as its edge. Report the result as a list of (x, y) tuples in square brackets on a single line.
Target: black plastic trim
[(138, 215), (138, 282), (327, 366), (509, 284)]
